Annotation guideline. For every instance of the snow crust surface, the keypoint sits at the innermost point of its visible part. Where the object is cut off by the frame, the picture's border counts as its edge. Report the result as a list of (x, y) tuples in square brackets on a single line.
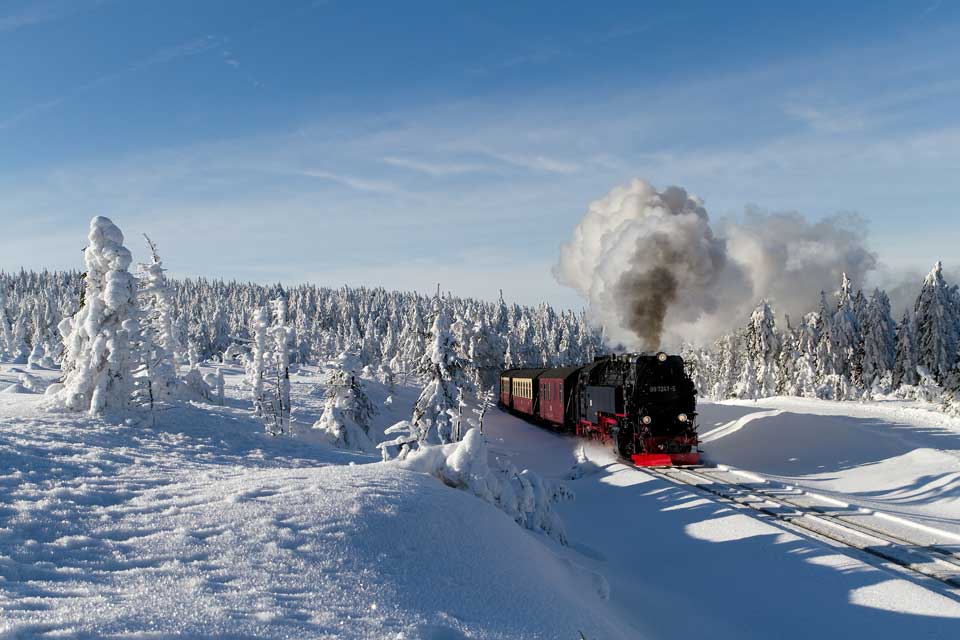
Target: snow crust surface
[(898, 458), (680, 565), (204, 526)]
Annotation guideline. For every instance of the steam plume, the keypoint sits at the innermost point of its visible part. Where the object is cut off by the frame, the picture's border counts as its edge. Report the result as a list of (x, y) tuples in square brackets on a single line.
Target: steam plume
[(656, 274)]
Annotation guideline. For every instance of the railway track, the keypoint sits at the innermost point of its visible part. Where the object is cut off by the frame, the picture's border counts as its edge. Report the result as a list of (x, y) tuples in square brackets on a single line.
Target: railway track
[(838, 522)]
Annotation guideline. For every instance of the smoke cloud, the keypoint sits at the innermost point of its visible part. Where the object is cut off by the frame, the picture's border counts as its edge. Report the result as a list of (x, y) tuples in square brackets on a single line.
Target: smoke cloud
[(656, 273)]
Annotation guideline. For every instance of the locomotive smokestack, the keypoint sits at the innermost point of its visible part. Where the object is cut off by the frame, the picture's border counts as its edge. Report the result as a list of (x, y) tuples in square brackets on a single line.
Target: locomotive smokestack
[(654, 271)]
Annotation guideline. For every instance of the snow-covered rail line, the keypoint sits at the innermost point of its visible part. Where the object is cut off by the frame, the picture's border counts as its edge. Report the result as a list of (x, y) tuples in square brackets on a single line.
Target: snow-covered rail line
[(799, 510)]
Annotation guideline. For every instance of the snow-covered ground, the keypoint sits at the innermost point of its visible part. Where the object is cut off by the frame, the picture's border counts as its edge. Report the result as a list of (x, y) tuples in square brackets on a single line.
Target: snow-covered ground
[(898, 458), (203, 525), (679, 564)]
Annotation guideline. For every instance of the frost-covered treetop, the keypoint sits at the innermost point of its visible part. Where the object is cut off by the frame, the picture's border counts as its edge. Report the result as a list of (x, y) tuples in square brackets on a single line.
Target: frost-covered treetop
[(106, 257), (935, 277), (107, 241)]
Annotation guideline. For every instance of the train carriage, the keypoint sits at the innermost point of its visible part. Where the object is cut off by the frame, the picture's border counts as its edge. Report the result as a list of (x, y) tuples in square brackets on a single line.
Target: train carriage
[(524, 392), (556, 395)]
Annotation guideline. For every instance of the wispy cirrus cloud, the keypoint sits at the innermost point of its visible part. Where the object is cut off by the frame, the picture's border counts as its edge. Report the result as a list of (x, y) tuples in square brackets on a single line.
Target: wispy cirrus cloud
[(536, 162), (161, 56), (42, 11), (365, 185), (435, 169), (828, 120)]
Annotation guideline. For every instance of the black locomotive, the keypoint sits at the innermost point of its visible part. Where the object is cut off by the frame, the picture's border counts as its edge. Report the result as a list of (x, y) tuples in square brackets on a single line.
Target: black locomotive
[(645, 404)]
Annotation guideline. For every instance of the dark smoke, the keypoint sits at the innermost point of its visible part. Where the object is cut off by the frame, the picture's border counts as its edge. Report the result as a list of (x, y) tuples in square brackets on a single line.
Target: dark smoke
[(647, 297)]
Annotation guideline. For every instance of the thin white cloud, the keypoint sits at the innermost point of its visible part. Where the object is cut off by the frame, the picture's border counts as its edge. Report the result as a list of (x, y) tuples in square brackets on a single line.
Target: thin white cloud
[(39, 12), (535, 162), (827, 120), (357, 184), (159, 57), (435, 169)]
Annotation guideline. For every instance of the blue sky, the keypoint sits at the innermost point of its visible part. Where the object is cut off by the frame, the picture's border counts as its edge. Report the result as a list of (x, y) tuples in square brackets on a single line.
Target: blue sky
[(402, 143)]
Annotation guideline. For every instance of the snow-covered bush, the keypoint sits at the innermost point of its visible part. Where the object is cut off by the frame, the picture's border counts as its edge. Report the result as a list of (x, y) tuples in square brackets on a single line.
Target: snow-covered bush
[(194, 386), (37, 356), (98, 367), (346, 415), (466, 465)]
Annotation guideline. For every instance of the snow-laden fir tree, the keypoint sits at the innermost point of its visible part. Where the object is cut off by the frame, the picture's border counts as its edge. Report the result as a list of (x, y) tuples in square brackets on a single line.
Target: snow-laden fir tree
[(348, 410), (18, 348), (805, 367), (444, 371), (37, 355), (257, 362), (824, 354), (935, 321), (6, 329), (99, 374), (435, 412), (787, 359), (763, 347), (282, 336), (845, 343), (905, 360), (879, 343), (158, 343)]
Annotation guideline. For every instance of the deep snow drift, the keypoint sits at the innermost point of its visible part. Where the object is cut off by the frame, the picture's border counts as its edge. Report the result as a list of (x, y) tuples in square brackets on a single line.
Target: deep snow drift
[(203, 525), (895, 457)]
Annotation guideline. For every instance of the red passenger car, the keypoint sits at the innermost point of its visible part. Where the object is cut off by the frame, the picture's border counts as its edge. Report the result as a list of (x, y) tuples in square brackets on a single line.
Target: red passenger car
[(523, 390), (556, 387)]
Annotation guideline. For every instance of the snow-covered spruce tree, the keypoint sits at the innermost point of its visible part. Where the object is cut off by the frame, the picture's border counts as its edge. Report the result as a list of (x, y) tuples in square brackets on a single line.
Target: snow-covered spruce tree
[(846, 343), (37, 354), (935, 321), (879, 343), (157, 344), (805, 368), (98, 368), (763, 347), (256, 363), (6, 330), (18, 348), (348, 410), (905, 360), (282, 337), (727, 366), (786, 376), (443, 369)]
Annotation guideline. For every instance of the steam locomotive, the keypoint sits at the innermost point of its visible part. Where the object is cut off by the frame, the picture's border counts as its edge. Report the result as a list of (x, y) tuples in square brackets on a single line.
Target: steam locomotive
[(645, 404)]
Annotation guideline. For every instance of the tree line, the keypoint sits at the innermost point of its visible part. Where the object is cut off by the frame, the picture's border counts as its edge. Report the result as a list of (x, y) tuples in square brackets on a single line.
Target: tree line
[(850, 348)]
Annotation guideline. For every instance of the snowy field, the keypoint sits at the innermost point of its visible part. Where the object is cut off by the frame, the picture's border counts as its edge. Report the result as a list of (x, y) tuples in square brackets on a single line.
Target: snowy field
[(899, 458), (203, 525)]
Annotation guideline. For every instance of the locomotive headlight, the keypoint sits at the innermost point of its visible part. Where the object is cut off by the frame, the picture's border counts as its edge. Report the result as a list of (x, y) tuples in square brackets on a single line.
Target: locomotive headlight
[(662, 357), (682, 417), (646, 419)]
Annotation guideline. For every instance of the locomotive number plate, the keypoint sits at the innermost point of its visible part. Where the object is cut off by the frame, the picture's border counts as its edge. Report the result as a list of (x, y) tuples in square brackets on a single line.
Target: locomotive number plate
[(665, 388)]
